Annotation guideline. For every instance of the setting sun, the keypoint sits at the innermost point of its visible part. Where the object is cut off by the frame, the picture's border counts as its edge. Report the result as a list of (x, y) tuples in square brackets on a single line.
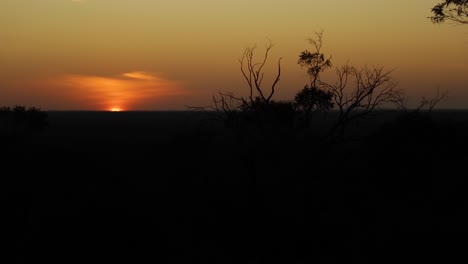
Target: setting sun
[(115, 109)]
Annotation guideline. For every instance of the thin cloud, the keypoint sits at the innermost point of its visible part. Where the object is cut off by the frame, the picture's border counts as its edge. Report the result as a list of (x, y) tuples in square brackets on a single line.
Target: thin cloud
[(139, 75), (128, 91)]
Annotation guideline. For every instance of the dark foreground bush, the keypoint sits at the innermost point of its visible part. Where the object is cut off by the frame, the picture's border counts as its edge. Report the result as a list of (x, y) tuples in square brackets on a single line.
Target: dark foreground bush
[(273, 113)]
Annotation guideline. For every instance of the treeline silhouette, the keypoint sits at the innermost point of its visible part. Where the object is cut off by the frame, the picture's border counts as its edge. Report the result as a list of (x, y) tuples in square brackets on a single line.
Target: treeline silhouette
[(355, 94), (20, 120)]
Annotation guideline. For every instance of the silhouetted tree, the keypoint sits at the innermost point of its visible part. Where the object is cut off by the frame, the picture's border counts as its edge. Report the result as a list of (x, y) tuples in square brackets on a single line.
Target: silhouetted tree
[(358, 92), (314, 61), (254, 74), (452, 10), (312, 98), (426, 104), (258, 108), (420, 116)]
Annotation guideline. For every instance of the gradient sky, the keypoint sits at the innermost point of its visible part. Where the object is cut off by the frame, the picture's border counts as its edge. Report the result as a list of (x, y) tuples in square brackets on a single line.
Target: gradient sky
[(169, 54)]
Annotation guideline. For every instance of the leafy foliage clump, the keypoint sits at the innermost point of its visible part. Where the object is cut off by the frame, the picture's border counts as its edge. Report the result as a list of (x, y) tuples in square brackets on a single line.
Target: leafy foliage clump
[(451, 10), (312, 99)]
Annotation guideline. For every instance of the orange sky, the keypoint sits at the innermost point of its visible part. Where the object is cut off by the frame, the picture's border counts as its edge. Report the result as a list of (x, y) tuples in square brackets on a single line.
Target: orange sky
[(166, 54)]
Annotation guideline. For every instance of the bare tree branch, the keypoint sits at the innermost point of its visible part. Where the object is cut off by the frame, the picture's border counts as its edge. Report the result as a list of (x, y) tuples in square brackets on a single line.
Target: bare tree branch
[(401, 102), (436, 99), (373, 87), (253, 72), (276, 80)]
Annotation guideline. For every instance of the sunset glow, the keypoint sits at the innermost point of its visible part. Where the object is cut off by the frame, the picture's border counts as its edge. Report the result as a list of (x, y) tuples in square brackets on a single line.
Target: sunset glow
[(115, 109), (157, 55), (132, 91)]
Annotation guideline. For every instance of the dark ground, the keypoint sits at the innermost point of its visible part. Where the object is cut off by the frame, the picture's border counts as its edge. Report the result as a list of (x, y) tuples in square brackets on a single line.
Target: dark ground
[(175, 187)]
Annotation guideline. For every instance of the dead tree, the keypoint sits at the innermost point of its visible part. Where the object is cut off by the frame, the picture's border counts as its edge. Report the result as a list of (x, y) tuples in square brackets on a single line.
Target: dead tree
[(253, 73), (425, 104), (358, 92), (237, 109), (400, 101), (436, 99)]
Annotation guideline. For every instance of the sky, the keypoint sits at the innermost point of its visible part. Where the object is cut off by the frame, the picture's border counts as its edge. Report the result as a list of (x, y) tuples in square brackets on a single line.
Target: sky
[(172, 54)]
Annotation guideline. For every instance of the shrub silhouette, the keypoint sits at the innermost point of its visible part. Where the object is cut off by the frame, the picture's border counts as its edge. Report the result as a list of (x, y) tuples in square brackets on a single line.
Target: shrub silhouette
[(275, 113), (310, 100)]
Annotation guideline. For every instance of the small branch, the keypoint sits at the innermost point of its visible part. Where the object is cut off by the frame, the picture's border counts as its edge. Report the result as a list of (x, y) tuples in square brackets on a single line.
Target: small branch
[(276, 80)]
